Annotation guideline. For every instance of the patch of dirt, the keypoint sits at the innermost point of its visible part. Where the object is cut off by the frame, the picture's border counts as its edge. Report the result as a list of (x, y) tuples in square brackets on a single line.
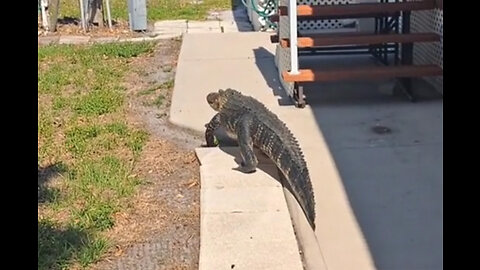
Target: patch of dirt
[(161, 228)]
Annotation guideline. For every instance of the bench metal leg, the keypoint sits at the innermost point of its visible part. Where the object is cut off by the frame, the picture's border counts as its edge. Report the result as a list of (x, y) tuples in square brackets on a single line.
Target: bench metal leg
[(298, 96), (407, 57), (406, 87)]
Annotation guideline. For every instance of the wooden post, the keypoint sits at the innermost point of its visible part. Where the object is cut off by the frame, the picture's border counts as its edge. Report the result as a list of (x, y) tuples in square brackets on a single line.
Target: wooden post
[(96, 13), (52, 11)]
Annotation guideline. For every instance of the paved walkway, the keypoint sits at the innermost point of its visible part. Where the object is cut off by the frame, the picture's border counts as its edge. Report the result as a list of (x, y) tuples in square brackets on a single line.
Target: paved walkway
[(378, 196), (245, 61)]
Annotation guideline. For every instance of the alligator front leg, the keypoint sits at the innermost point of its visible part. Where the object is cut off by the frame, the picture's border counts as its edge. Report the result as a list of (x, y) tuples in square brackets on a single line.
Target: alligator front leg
[(210, 130), (250, 162)]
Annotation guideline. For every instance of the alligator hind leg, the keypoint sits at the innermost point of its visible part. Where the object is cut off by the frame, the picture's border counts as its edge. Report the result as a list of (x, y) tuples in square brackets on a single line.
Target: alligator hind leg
[(249, 160)]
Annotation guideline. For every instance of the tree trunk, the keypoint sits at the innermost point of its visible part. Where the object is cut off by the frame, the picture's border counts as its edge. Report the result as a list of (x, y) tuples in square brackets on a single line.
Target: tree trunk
[(96, 12), (52, 11)]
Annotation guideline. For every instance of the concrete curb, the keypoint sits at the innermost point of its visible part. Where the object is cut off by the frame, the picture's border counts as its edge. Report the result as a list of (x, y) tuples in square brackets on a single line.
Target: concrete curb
[(245, 222), (76, 40)]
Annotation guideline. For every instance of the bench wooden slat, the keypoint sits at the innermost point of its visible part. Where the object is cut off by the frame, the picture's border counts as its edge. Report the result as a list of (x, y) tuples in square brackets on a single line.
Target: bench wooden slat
[(359, 39), (364, 73), (357, 10)]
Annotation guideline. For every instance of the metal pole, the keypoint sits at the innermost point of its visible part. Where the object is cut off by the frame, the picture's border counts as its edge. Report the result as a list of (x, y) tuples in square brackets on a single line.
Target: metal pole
[(82, 11), (292, 16), (108, 14)]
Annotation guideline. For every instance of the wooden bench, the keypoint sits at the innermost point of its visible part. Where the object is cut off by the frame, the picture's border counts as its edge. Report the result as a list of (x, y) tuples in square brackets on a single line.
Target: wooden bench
[(404, 69)]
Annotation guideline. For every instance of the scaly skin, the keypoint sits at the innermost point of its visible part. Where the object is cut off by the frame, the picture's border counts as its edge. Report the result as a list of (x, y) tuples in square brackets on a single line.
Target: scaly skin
[(252, 124)]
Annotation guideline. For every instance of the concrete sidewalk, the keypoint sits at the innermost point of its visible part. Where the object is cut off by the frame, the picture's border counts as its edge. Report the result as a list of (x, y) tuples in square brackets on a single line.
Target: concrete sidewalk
[(242, 61), (378, 196)]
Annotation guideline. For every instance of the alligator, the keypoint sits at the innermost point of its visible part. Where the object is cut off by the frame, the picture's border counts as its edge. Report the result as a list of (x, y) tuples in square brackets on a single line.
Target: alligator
[(249, 122)]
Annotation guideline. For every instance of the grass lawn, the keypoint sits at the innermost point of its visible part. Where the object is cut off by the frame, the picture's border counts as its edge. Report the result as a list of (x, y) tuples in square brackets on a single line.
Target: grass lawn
[(156, 9), (86, 149)]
